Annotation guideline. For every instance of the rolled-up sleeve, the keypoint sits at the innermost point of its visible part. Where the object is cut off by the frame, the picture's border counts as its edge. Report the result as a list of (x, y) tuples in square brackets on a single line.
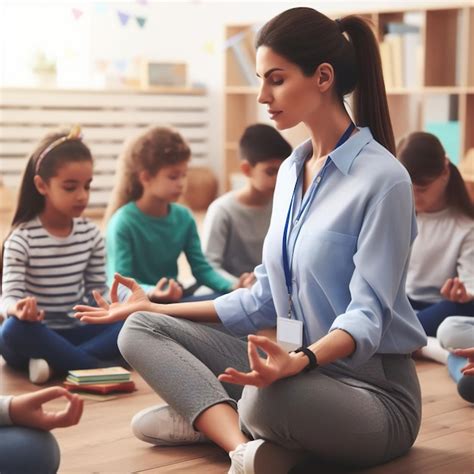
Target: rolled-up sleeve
[(245, 311), (382, 254)]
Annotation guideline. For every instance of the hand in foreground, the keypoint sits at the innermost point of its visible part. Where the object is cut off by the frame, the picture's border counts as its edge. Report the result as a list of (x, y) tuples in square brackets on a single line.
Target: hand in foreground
[(171, 294), (27, 409), (468, 369), (115, 311), (278, 365), (454, 290), (26, 309)]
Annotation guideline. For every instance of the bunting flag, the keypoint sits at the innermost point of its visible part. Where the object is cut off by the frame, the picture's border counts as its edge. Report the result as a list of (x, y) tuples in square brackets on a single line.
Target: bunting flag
[(141, 21), (209, 47), (77, 13), (123, 17), (121, 65), (142, 2)]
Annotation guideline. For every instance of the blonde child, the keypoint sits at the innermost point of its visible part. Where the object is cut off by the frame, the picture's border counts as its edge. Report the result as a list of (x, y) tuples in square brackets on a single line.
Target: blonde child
[(440, 280), (147, 230), (53, 259), (236, 223)]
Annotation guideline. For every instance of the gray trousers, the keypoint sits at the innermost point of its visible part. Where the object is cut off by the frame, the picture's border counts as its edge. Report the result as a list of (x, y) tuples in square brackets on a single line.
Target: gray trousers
[(357, 417)]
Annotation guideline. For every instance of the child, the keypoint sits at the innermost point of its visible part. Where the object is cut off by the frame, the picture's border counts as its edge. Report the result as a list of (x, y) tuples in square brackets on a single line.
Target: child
[(27, 445), (148, 230), (236, 224), (440, 280), (52, 260)]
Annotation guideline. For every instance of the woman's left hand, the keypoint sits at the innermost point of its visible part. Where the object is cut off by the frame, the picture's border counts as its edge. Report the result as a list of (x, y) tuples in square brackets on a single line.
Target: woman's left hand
[(278, 365)]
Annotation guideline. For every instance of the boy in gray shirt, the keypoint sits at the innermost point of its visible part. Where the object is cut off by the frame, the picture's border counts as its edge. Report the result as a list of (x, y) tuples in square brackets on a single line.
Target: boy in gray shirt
[(237, 222)]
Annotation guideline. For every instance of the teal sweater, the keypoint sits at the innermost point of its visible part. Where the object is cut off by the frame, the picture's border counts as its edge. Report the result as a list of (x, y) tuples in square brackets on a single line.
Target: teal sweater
[(147, 248)]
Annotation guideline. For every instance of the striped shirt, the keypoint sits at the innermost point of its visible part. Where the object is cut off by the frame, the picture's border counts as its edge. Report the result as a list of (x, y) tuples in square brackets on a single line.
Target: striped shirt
[(59, 271)]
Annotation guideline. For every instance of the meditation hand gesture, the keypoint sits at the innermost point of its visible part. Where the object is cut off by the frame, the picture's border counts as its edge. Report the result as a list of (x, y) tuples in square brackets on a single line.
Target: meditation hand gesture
[(468, 369), (171, 294), (278, 365), (454, 290), (26, 309), (27, 409), (115, 311)]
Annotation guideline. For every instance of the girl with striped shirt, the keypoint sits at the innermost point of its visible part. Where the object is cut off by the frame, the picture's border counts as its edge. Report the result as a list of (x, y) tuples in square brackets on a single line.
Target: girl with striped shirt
[(53, 259)]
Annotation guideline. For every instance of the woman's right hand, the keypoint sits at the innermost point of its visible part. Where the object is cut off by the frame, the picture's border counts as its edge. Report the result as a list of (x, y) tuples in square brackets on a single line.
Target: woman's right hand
[(26, 309), (107, 313), (246, 280)]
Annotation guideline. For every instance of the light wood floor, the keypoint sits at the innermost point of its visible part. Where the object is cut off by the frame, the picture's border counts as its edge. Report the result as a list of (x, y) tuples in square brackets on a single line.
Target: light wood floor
[(103, 442)]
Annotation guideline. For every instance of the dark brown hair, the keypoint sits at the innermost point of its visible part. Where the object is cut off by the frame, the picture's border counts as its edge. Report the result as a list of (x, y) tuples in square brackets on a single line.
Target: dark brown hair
[(150, 151), (30, 202), (260, 142), (308, 38), (424, 157)]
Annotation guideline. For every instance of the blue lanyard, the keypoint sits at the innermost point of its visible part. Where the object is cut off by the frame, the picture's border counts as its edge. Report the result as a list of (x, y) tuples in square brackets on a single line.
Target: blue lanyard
[(286, 262)]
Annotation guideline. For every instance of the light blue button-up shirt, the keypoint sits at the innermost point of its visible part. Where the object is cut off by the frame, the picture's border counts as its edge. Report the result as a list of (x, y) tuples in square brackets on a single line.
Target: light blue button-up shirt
[(349, 253)]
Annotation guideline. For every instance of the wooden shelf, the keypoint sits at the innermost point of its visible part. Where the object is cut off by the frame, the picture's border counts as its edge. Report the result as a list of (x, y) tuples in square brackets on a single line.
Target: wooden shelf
[(443, 68)]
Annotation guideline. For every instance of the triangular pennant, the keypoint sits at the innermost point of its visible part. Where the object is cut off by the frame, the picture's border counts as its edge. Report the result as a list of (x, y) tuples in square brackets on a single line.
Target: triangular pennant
[(121, 65), (141, 21), (77, 13), (143, 2), (123, 17)]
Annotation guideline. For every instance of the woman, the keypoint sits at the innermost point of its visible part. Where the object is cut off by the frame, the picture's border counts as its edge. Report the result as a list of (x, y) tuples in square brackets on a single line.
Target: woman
[(333, 271)]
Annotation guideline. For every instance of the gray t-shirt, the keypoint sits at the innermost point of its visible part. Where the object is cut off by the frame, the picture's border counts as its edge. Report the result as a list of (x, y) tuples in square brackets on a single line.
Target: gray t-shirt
[(233, 235)]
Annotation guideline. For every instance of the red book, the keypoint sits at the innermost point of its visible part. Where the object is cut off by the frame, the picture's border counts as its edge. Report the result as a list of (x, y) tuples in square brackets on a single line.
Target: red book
[(102, 388)]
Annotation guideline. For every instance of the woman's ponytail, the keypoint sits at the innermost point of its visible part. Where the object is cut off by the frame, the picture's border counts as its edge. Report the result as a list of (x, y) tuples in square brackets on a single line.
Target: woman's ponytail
[(369, 97)]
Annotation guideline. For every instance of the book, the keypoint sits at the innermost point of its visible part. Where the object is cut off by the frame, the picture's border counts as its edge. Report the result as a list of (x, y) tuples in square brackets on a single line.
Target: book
[(102, 388), (102, 375)]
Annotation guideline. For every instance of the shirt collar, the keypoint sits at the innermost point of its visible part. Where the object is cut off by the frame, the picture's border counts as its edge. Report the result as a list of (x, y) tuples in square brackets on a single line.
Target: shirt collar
[(343, 156)]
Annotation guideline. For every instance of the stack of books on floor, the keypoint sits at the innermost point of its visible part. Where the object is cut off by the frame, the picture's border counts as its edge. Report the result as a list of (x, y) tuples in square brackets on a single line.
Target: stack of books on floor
[(105, 380)]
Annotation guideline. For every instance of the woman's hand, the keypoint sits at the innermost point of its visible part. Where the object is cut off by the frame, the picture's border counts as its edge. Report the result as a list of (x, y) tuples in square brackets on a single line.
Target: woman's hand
[(27, 409), (278, 365), (26, 309), (115, 311), (172, 294), (468, 369), (454, 290)]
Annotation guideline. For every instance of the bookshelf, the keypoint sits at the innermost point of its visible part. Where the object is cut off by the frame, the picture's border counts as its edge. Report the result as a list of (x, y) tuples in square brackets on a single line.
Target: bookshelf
[(429, 79)]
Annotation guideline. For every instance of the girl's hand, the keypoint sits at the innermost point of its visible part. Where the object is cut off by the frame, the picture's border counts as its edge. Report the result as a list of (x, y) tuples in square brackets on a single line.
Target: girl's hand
[(172, 294), (115, 311), (27, 409), (246, 280), (26, 309), (468, 369), (278, 365), (454, 290)]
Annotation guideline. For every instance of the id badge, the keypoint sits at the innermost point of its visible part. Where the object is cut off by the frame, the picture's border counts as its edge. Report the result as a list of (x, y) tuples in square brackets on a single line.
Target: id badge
[(289, 333)]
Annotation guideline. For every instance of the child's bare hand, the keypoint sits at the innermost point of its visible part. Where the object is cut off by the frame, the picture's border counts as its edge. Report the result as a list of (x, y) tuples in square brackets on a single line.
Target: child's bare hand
[(468, 369), (246, 280), (454, 290), (26, 309), (167, 291), (27, 409)]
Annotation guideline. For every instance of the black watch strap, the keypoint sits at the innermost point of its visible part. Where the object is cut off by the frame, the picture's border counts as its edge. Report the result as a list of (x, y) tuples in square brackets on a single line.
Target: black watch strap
[(313, 361)]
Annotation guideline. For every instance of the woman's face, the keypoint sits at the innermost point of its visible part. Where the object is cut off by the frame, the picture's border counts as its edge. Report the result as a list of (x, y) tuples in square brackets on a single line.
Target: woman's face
[(290, 96)]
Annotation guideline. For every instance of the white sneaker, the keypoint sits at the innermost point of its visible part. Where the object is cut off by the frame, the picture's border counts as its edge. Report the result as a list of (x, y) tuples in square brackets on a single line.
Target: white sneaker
[(162, 426), (262, 457), (39, 371)]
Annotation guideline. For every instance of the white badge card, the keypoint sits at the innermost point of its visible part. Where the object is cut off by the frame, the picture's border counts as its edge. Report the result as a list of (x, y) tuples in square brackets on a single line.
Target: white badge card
[(289, 333)]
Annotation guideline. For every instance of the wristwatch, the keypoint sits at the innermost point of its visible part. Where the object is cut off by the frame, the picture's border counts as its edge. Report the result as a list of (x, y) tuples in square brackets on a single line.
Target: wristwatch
[(313, 361)]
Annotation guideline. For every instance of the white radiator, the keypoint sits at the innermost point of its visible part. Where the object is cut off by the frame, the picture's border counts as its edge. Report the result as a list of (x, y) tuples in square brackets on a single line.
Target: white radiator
[(107, 119)]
